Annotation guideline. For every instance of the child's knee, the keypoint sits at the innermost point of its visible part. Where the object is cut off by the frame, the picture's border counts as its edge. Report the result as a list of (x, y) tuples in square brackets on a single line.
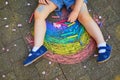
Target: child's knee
[(83, 8), (84, 14), (84, 17), (39, 12), (40, 8), (38, 15)]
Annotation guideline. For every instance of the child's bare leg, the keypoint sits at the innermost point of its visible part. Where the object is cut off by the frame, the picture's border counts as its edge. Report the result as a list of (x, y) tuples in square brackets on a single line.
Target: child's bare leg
[(92, 28), (41, 13), (90, 25)]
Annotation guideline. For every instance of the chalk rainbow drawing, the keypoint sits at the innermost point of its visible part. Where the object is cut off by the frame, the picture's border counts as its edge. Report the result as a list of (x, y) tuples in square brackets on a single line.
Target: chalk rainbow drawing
[(67, 42)]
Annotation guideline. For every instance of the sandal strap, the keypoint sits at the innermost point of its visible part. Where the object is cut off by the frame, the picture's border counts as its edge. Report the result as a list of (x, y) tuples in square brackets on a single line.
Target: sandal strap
[(106, 48)]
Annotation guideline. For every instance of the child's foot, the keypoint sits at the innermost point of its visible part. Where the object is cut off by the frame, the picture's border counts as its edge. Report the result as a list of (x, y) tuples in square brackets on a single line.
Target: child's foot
[(33, 56), (104, 56)]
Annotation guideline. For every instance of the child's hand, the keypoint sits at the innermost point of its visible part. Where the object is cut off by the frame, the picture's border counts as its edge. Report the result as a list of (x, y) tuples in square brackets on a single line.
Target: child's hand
[(44, 1), (73, 16)]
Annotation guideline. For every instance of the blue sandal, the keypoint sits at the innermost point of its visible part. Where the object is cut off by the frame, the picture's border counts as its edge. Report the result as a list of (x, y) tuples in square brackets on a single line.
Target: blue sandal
[(102, 57), (33, 56)]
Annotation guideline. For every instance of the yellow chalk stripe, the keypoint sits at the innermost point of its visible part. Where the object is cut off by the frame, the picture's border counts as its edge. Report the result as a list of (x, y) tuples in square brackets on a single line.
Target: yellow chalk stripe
[(71, 24)]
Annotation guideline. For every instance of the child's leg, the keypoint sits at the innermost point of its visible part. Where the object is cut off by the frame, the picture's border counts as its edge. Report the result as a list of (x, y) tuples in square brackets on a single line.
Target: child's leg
[(90, 25), (41, 13), (93, 29)]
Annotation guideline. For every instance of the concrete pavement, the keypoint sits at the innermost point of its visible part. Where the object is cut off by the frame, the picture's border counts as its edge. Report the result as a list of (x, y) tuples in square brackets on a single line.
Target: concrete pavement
[(14, 16)]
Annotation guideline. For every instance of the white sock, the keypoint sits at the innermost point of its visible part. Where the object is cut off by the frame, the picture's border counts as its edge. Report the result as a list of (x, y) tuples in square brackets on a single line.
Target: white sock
[(102, 45), (34, 49)]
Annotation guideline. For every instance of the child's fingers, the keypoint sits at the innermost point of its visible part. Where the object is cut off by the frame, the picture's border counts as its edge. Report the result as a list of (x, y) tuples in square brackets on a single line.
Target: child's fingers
[(42, 1), (70, 19), (47, 1)]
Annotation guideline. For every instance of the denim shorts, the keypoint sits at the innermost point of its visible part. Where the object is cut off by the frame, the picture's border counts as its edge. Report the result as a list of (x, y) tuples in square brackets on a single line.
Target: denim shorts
[(67, 3)]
